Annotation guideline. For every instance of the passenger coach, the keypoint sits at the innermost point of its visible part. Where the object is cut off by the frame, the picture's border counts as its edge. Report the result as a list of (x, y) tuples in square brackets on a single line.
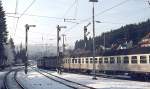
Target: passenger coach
[(134, 62)]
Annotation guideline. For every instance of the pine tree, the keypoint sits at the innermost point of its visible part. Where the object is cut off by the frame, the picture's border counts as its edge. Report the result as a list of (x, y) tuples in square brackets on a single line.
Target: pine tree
[(11, 42), (3, 30)]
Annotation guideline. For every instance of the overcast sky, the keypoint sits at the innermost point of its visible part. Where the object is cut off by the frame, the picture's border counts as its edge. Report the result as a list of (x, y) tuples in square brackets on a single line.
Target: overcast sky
[(130, 11)]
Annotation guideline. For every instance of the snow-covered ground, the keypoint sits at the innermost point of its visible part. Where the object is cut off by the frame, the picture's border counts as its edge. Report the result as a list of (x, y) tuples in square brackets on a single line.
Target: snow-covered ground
[(2, 74), (104, 83), (35, 80)]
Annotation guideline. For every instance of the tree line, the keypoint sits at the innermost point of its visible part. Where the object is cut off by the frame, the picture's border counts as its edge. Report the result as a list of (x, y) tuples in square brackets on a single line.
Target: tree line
[(3, 31), (131, 32)]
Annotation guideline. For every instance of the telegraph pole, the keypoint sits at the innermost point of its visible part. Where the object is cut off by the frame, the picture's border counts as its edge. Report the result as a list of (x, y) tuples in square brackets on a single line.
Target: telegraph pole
[(85, 35), (26, 46), (85, 38), (94, 66), (104, 42), (58, 51), (58, 39), (63, 35)]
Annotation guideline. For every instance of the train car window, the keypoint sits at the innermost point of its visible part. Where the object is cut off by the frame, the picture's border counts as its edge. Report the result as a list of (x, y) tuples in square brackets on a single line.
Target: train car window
[(134, 59), (79, 60), (75, 60), (105, 60), (126, 60), (91, 60), (100, 60), (69, 60), (112, 60), (143, 59), (87, 60), (118, 60), (149, 59), (95, 60), (83, 60)]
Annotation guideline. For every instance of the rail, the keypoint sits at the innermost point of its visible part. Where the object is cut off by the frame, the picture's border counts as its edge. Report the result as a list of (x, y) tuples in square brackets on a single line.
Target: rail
[(6, 85), (63, 81)]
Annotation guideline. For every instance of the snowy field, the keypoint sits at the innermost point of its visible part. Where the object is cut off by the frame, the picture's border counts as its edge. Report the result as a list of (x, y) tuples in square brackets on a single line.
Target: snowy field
[(35, 80)]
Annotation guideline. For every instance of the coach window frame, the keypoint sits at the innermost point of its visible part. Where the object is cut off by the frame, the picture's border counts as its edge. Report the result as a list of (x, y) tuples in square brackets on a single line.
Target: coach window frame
[(96, 60), (106, 61), (79, 60), (100, 60), (126, 60), (134, 60), (143, 59), (66, 60), (112, 60), (118, 60), (91, 60), (149, 58), (87, 60), (82, 60), (73, 61)]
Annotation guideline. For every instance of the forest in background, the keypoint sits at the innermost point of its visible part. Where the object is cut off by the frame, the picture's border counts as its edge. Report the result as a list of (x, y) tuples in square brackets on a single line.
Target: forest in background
[(131, 32)]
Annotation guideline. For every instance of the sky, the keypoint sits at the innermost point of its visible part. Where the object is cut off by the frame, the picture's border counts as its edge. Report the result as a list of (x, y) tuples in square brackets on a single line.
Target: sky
[(53, 12)]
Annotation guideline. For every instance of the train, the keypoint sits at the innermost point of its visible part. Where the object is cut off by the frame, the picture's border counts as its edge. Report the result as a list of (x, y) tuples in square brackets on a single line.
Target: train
[(47, 62), (134, 62)]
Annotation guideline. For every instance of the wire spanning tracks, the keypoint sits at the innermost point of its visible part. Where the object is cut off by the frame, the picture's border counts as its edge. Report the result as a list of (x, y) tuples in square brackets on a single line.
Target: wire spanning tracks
[(11, 82), (63, 81)]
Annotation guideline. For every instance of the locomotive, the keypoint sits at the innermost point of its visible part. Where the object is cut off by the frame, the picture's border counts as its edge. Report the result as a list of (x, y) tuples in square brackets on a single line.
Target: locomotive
[(47, 62)]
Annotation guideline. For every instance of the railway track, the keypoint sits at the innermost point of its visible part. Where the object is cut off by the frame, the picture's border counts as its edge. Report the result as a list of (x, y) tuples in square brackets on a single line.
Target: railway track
[(11, 82), (71, 84)]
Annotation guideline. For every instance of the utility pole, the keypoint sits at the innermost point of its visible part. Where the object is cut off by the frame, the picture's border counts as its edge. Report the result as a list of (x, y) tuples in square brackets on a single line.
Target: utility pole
[(104, 42), (93, 17), (58, 39), (26, 46), (85, 35), (63, 35), (58, 51), (85, 38)]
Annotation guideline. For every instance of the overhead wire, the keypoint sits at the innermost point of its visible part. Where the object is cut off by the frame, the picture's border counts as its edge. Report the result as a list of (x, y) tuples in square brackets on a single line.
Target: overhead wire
[(76, 9), (16, 26), (106, 10), (16, 7), (69, 8), (22, 14), (67, 12), (11, 16), (43, 16), (27, 8)]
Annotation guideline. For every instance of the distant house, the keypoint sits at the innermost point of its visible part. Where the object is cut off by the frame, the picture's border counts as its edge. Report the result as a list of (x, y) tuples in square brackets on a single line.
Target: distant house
[(145, 42)]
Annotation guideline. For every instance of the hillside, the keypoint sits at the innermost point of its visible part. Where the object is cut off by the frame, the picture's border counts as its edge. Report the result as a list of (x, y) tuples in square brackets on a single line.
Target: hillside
[(131, 32)]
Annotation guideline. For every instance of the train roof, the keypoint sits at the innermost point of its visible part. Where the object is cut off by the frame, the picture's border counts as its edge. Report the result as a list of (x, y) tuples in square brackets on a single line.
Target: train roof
[(48, 58)]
